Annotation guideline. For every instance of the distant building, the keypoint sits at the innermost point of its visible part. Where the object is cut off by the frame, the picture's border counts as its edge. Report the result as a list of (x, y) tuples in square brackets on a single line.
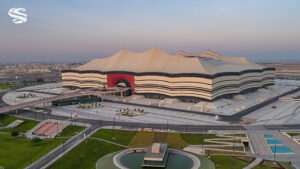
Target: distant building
[(156, 74)]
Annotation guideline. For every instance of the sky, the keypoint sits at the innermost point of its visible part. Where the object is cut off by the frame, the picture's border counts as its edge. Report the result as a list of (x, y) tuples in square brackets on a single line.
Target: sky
[(81, 30)]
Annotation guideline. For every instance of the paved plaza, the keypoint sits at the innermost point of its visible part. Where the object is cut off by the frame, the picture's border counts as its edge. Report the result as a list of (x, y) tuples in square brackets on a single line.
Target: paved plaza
[(262, 148)]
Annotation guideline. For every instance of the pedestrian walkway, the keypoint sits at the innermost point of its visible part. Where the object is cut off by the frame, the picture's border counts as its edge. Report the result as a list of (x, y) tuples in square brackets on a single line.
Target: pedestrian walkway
[(261, 146), (117, 144), (254, 163)]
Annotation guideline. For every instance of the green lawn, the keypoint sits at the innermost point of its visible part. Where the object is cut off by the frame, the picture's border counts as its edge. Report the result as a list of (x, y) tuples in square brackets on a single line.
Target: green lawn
[(24, 127), (85, 155), (225, 162), (6, 120), (121, 136), (294, 134), (16, 152), (174, 140), (236, 134), (70, 131), (196, 139), (142, 139), (7, 86)]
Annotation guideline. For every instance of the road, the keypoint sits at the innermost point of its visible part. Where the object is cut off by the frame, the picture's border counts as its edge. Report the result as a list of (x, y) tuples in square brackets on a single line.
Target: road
[(81, 92), (45, 160), (126, 125)]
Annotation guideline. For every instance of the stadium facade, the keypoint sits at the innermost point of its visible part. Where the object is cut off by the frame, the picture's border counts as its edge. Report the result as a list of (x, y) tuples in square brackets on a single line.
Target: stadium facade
[(157, 74)]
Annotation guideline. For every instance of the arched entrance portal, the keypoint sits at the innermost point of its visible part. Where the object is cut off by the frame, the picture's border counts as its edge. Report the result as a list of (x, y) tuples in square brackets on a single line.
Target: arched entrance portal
[(121, 80), (124, 83)]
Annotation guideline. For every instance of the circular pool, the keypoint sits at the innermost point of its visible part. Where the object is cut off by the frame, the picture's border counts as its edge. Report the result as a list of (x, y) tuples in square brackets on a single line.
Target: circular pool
[(175, 161), (134, 157)]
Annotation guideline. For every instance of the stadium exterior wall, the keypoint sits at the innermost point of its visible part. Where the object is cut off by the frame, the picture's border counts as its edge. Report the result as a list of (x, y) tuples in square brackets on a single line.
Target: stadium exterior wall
[(185, 86)]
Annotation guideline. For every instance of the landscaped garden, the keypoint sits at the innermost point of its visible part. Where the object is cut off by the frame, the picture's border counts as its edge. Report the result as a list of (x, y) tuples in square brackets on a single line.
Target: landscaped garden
[(120, 136), (22, 128), (16, 151), (86, 154), (70, 131), (228, 162)]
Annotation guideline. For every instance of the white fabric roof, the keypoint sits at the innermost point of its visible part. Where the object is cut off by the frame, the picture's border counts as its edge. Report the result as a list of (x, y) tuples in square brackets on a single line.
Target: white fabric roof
[(155, 60)]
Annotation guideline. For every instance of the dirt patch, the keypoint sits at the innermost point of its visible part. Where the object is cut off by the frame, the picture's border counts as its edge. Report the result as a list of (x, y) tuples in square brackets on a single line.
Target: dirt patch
[(244, 158), (160, 137), (272, 164)]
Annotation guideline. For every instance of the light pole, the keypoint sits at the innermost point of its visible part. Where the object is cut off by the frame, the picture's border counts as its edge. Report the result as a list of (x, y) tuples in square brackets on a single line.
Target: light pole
[(114, 128), (274, 153), (167, 125), (186, 127), (233, 145), (57, 122)]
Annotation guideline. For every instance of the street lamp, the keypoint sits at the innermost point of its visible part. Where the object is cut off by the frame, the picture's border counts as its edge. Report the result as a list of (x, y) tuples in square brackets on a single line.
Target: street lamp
[(274, 153), (167, 125), (114, 128), (233, 144)]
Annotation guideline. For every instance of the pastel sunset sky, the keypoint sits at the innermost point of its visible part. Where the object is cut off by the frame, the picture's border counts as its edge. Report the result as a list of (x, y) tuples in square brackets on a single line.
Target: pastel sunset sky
[(80, 30)]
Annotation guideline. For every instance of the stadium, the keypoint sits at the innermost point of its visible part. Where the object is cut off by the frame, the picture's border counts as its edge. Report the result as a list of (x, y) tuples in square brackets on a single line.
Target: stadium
[(157, 74)]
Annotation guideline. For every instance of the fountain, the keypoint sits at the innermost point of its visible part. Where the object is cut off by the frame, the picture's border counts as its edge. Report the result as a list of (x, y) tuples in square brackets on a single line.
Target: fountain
[(158, 155)]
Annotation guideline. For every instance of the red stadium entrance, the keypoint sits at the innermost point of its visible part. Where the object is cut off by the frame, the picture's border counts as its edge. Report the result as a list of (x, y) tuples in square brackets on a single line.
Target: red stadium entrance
[(121, 80)]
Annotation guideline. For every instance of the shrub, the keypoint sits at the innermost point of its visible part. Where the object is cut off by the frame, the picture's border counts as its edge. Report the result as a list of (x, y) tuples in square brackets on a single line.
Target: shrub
[(36, 140), (14, 133)]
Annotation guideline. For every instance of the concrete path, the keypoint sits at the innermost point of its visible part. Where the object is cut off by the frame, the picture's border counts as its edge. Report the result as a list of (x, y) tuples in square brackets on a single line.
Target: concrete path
[(117, 144), (262, 149), (48, 159), (254, 163), (258, 142)]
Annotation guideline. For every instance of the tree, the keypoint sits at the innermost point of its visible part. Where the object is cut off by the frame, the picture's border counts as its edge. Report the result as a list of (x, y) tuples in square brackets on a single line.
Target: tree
[(14, 133)]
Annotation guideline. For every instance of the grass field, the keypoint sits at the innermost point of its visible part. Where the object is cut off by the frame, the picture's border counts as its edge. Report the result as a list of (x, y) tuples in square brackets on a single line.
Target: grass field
[(70, 131), (22, 128), (225, 162), (25, 126), (236, 135), (121, 136), (196, 139), (6, 120), (142, 139), (18, 152), (7, 86), (293, 134), (174, 140), (85, 155)]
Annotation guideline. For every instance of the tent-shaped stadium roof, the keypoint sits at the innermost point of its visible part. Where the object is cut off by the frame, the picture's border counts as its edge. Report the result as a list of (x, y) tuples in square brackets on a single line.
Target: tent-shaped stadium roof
[(155, 60)]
